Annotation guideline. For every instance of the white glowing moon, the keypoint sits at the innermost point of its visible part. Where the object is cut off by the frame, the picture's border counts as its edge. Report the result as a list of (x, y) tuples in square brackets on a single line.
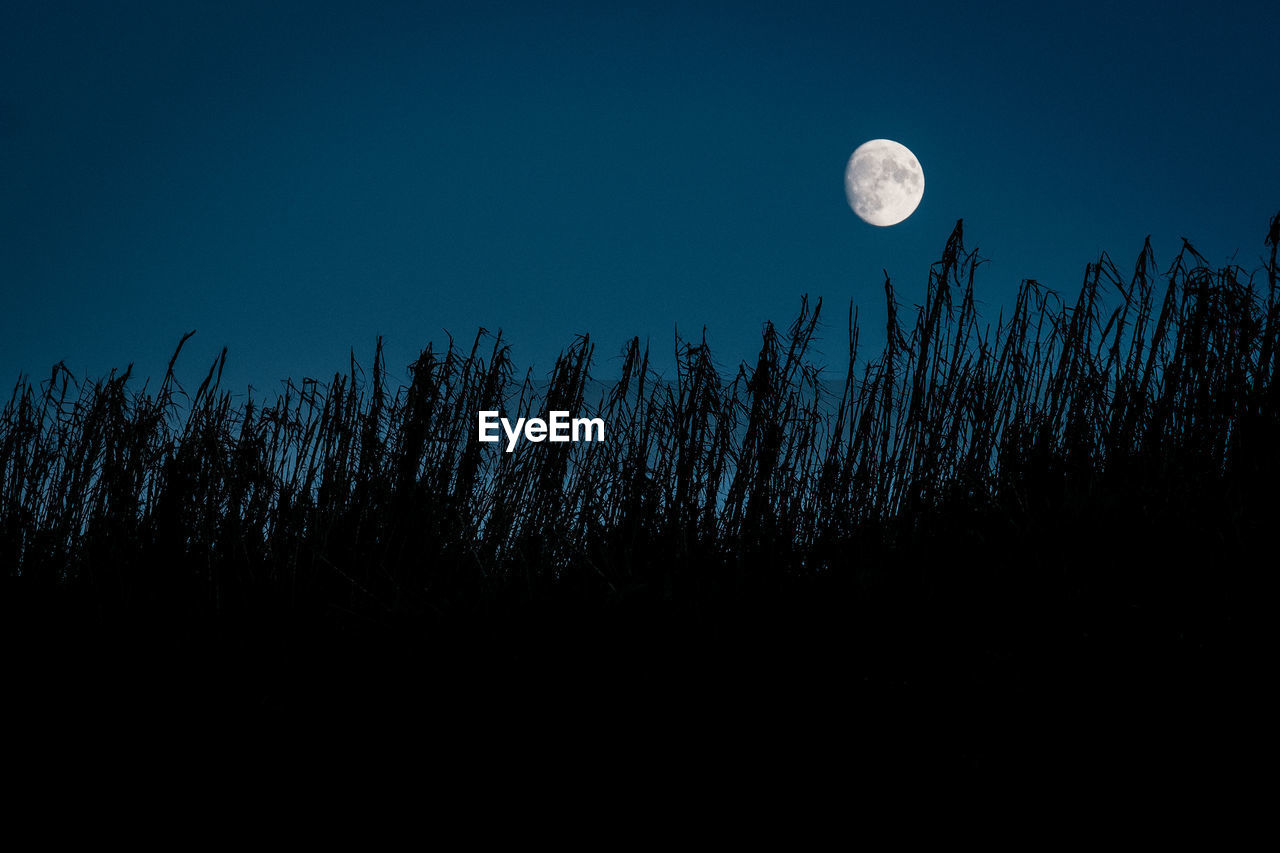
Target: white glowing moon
[(883, 182)]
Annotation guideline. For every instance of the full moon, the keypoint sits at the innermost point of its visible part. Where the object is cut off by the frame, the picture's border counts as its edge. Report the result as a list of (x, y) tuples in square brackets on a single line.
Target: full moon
[(883, 182)]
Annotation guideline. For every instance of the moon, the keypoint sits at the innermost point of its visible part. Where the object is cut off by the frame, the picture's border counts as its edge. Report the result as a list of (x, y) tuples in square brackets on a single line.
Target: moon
[(883, 182)]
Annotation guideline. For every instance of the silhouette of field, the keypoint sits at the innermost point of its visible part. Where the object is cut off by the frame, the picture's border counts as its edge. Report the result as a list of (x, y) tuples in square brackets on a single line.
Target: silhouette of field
[(1077, 494)]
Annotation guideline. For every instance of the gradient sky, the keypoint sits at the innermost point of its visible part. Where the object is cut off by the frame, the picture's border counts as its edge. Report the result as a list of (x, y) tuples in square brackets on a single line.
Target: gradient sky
[(292, 179)]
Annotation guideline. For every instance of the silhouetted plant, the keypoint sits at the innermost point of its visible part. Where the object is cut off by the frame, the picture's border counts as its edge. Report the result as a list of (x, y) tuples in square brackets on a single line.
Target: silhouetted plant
[(1146, 395)]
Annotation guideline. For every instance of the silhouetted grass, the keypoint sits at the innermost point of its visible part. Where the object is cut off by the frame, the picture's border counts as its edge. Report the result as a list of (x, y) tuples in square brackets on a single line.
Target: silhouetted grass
[(1042, 492)]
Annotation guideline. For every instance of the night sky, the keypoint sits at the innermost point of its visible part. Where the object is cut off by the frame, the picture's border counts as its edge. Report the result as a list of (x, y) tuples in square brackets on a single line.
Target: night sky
[(293, 179)]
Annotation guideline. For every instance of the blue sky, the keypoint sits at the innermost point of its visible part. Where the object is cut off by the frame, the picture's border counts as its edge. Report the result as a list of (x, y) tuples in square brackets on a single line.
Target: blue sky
[(293, 179)]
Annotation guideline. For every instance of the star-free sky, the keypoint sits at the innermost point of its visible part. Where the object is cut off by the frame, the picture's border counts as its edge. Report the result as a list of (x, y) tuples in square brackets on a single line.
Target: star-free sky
[(292, 179)]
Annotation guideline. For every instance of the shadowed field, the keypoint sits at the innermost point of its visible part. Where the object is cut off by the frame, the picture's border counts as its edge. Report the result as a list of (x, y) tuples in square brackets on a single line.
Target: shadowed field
[(1080, 492)]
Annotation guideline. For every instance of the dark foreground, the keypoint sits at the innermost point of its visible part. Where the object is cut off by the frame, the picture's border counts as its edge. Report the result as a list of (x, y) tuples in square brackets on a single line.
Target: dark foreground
[(1070, 509)]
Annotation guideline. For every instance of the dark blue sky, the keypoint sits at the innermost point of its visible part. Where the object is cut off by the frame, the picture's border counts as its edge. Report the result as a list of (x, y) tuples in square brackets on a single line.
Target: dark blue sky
[(292, 179)]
